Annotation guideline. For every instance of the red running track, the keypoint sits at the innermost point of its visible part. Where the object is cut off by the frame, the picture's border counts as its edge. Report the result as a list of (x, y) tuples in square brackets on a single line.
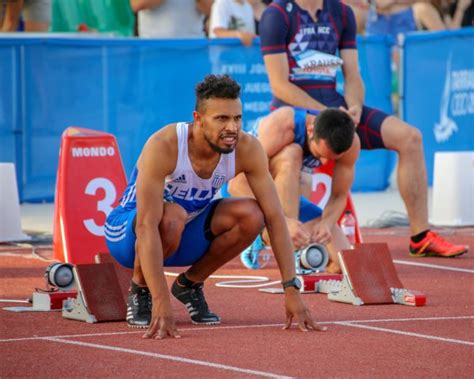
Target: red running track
[(367, 341)]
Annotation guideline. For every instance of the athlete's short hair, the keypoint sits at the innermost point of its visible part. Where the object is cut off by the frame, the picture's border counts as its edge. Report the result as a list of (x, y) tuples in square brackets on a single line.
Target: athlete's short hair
[(216, 86), (336, 127)]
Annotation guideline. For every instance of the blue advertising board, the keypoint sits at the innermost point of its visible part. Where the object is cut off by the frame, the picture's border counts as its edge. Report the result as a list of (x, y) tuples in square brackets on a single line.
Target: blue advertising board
[(437, 90), (132, 87)]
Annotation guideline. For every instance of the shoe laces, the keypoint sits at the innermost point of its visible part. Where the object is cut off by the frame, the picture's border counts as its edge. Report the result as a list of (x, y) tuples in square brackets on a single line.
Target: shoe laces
[(143, 299), (197, 294), (438, 241)]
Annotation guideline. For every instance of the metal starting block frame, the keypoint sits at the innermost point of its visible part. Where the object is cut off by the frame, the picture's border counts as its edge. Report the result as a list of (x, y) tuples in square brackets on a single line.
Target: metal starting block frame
[(404, 296), (76, 309), (401, 296), (345, 292)]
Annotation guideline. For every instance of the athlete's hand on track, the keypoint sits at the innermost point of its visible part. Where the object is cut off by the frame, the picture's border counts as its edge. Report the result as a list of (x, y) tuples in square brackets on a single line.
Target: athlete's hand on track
[(296, 309), (162, 322), (299, 237)]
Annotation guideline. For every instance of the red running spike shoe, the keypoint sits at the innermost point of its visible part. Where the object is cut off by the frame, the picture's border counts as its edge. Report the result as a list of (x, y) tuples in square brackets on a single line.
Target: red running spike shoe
[(435, 246)]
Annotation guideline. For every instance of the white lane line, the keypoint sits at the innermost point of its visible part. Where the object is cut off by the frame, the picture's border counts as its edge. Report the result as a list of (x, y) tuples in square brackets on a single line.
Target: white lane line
[(461, 342), (439, 267), (216, 328), (170, 358), (410, 319)]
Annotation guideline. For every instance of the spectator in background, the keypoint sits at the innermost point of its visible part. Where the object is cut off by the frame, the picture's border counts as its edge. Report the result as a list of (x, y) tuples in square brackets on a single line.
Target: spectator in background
[(398, 16), (390, 17), (36, 15), (456, 13), (232, 19), (171, 18), (360, 9), (258, 6), (427, 16)]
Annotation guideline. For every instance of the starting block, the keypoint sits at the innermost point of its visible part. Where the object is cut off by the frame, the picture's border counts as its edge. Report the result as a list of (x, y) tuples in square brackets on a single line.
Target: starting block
[(370, 277), (99, 295), (124, 275)]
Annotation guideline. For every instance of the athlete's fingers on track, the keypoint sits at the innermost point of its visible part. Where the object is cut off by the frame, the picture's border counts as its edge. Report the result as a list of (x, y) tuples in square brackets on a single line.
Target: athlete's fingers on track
[(166, 331), (315, 326), (173, 332), (161, 334), (151, 330), (289, 319), (301, 324)]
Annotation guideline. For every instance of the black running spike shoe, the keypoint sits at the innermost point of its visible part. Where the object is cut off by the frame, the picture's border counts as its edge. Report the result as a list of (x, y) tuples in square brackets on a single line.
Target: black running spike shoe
[(192, 296), (138, 306)]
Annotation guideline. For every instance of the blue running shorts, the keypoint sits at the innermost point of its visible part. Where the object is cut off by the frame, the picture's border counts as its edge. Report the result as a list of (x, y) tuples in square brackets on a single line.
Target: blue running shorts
[(195, 240), (308, 210)]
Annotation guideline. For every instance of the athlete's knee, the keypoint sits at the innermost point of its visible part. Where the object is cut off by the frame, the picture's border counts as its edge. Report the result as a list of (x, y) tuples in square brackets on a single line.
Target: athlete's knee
[(415, 137), (412, 140), (288, 159), (286, 116), (250, 217), (171, 229)]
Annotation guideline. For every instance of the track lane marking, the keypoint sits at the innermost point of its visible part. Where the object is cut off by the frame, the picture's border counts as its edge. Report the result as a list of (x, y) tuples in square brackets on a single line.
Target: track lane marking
[(230, 327), (169, 358), (401, 332), (429, 265)]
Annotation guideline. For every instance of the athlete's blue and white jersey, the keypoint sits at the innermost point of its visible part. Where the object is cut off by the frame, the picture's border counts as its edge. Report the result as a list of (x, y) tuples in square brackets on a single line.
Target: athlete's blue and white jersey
[(183, 186)]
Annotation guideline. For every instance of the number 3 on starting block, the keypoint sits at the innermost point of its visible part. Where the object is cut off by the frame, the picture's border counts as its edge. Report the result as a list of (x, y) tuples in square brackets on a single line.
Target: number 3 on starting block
[(104, 205), (90, 175)]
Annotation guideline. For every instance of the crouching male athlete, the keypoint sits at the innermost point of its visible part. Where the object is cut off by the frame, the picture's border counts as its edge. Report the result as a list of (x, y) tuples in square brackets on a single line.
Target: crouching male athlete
[(297, 141), (303, 42), (168, 215)]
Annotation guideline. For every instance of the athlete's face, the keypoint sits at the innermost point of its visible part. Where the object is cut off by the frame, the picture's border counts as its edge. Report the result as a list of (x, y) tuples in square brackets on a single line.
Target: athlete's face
[(320, 149), (221, 121)]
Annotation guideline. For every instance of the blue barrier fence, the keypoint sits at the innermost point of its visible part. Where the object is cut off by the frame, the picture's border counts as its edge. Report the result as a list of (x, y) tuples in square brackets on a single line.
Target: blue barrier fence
[(437, 90), (131, 88)]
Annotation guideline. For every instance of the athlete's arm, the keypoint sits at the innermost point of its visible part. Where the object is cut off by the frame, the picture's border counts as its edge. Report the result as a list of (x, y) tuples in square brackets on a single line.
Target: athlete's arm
[(245, 37), (341, 185), (353, 85), (11, 15), (277, 70), (274, 29), (255, 168), (154, 165), (254, 165)]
